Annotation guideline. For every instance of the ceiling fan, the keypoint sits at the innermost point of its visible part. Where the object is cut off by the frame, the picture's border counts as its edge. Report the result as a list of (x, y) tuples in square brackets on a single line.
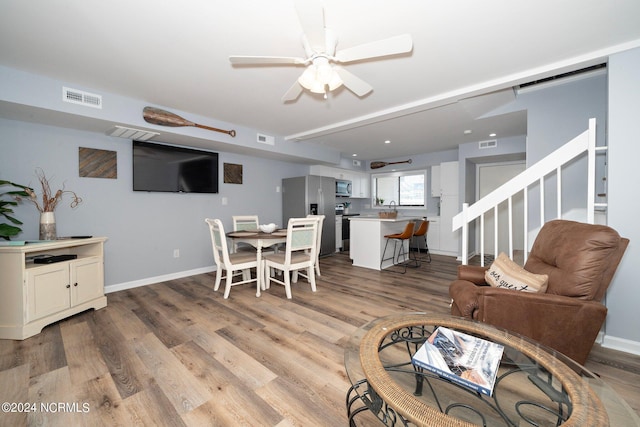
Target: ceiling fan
[(322, 74)]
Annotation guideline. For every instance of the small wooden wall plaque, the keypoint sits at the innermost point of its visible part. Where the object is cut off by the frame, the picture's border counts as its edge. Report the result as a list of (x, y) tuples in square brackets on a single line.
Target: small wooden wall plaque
[(232, 173), (97, 163)]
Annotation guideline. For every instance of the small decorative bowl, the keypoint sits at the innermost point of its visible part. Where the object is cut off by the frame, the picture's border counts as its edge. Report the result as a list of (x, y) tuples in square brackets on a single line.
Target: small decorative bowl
[(268, 228)]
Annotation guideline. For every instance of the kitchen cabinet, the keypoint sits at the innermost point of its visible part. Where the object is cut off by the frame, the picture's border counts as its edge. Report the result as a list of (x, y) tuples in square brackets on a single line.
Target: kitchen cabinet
[(440, 238), (361, 185), (433, 235), (448, 239), (435, 181), (444, 185), (35, 295), (444, 179), (449, 178), (367, 241), (338, 233), (321, 170), (360, 181)]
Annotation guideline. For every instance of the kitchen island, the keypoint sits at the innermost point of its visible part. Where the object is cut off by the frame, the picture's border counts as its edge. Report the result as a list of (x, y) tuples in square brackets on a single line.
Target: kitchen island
[(368, 241)]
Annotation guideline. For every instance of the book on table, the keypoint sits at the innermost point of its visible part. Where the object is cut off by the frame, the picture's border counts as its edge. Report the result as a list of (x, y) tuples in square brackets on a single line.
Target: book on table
[(461, 358)]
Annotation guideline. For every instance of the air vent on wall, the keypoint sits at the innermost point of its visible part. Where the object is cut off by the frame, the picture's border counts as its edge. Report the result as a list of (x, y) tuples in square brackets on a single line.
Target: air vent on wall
[(80, 97), (562, 78), (130, 133), (492, 143), (265, 139)]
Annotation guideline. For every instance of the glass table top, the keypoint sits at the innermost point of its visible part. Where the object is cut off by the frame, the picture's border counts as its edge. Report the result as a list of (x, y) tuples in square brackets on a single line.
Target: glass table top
[(535, 385)]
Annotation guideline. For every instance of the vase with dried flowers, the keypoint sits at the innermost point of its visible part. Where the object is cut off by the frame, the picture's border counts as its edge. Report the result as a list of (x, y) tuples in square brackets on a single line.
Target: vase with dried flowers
[(47, 204)]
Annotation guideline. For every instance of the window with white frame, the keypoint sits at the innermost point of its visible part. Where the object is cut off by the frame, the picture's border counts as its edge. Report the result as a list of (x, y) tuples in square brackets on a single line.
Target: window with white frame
[(406, 189)]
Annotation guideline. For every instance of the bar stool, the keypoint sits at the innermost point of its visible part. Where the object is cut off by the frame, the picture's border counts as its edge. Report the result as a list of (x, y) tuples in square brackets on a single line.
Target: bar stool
[(422, 232), (398, 237)]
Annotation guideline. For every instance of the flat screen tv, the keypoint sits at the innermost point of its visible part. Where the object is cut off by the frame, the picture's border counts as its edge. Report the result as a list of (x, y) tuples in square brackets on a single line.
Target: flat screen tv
[(167, 168)]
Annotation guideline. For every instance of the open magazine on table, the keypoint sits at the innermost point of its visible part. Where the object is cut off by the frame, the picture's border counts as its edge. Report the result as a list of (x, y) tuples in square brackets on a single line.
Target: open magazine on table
[(464, 359)]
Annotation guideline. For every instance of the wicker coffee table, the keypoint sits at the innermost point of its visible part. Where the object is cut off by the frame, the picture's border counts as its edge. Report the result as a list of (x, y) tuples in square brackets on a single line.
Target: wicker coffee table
[(535, 385)]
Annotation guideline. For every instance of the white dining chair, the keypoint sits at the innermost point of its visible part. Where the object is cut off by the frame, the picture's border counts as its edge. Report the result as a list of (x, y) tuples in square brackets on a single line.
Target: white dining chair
[(228, 264), (319, 240), (299, 254), (320, 219), (244, 223)]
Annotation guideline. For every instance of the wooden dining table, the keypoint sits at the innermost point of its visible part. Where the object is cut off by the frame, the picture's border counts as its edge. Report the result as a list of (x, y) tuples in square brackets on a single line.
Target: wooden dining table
[(259, 240)]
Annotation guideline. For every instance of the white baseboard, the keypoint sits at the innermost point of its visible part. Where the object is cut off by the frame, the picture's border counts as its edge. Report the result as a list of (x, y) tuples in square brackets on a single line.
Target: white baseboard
[(157, 279), (439, 252), (621, 344)]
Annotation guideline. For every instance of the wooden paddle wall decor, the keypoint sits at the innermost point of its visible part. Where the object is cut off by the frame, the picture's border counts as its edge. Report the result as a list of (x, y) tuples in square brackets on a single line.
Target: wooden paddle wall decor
[(378, 165), (166, 118)]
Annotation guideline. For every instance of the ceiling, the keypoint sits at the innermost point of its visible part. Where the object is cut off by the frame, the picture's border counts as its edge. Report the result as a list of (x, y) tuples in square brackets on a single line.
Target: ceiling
[(466, 58)]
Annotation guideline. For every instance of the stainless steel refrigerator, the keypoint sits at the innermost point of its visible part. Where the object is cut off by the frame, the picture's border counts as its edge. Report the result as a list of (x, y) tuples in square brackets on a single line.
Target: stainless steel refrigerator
[(312, 194)]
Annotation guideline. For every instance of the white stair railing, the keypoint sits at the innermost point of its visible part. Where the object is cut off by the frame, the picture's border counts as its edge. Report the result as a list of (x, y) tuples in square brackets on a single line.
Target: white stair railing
[(585, 142)]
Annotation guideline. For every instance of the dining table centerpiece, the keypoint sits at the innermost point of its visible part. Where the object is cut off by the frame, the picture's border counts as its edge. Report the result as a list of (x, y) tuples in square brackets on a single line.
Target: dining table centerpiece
[(47, 203)]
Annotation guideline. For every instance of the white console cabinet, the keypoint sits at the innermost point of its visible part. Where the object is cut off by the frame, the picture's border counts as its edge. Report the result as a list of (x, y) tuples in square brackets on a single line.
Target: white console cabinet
[(33, 296)]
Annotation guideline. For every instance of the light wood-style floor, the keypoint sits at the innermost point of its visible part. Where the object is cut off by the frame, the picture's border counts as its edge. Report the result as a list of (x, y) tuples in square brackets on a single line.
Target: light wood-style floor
[(177, 353)]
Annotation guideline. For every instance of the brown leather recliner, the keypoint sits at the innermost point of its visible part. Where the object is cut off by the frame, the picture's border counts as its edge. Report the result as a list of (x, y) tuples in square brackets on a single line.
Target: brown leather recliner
[(580, 260)]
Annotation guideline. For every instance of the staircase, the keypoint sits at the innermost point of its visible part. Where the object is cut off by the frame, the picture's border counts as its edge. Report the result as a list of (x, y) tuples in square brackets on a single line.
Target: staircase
[(473, 217)]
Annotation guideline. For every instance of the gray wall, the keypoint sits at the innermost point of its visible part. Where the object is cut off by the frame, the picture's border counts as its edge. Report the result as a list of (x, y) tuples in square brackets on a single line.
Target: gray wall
[(35, 98), (470, 155), (555, 115), (559, 113), (418, 162), (624, 174), (143, 228)]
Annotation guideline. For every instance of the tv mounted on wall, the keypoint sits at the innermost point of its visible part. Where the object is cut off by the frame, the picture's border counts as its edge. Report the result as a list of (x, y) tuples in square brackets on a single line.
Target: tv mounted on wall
[(166, 168)]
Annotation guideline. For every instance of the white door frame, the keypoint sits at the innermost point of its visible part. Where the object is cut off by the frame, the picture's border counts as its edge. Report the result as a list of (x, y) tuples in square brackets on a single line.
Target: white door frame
[(478, 192)]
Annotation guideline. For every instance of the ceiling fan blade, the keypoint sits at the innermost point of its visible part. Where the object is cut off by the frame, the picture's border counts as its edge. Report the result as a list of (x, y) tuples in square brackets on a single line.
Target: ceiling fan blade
[(390, 46), (293, 93), (353, 83), (311, 16), (330, 42), (242, 60)]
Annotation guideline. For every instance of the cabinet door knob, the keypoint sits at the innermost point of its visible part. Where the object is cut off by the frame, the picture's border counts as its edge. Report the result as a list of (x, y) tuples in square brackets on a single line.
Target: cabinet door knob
[(68, 286), (75, 284)]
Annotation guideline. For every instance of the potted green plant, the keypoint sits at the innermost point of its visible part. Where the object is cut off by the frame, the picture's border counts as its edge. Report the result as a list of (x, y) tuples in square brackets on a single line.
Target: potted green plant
[(6, 209)]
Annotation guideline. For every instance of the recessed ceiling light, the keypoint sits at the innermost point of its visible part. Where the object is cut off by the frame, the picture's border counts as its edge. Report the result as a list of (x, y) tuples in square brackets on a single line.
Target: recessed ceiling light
[(354, 155), (492, 135), (387, 142), (467, 132)]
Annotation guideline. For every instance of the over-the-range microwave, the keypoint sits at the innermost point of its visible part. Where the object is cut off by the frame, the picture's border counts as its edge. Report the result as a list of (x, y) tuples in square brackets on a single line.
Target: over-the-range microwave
[(343, 188)]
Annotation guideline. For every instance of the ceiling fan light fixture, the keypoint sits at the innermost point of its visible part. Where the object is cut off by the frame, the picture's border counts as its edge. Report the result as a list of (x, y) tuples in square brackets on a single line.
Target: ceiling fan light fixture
[(320, 76), (308, 78), (324, 73)]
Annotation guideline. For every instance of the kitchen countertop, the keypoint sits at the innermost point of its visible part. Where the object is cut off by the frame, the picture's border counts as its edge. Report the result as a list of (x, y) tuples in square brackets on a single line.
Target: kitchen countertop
[(400, 218)]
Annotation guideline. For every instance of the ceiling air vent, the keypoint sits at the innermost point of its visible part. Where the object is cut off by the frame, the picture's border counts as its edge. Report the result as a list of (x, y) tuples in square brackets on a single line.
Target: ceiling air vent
[(76, 96), (492, 143), (130, 133)]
